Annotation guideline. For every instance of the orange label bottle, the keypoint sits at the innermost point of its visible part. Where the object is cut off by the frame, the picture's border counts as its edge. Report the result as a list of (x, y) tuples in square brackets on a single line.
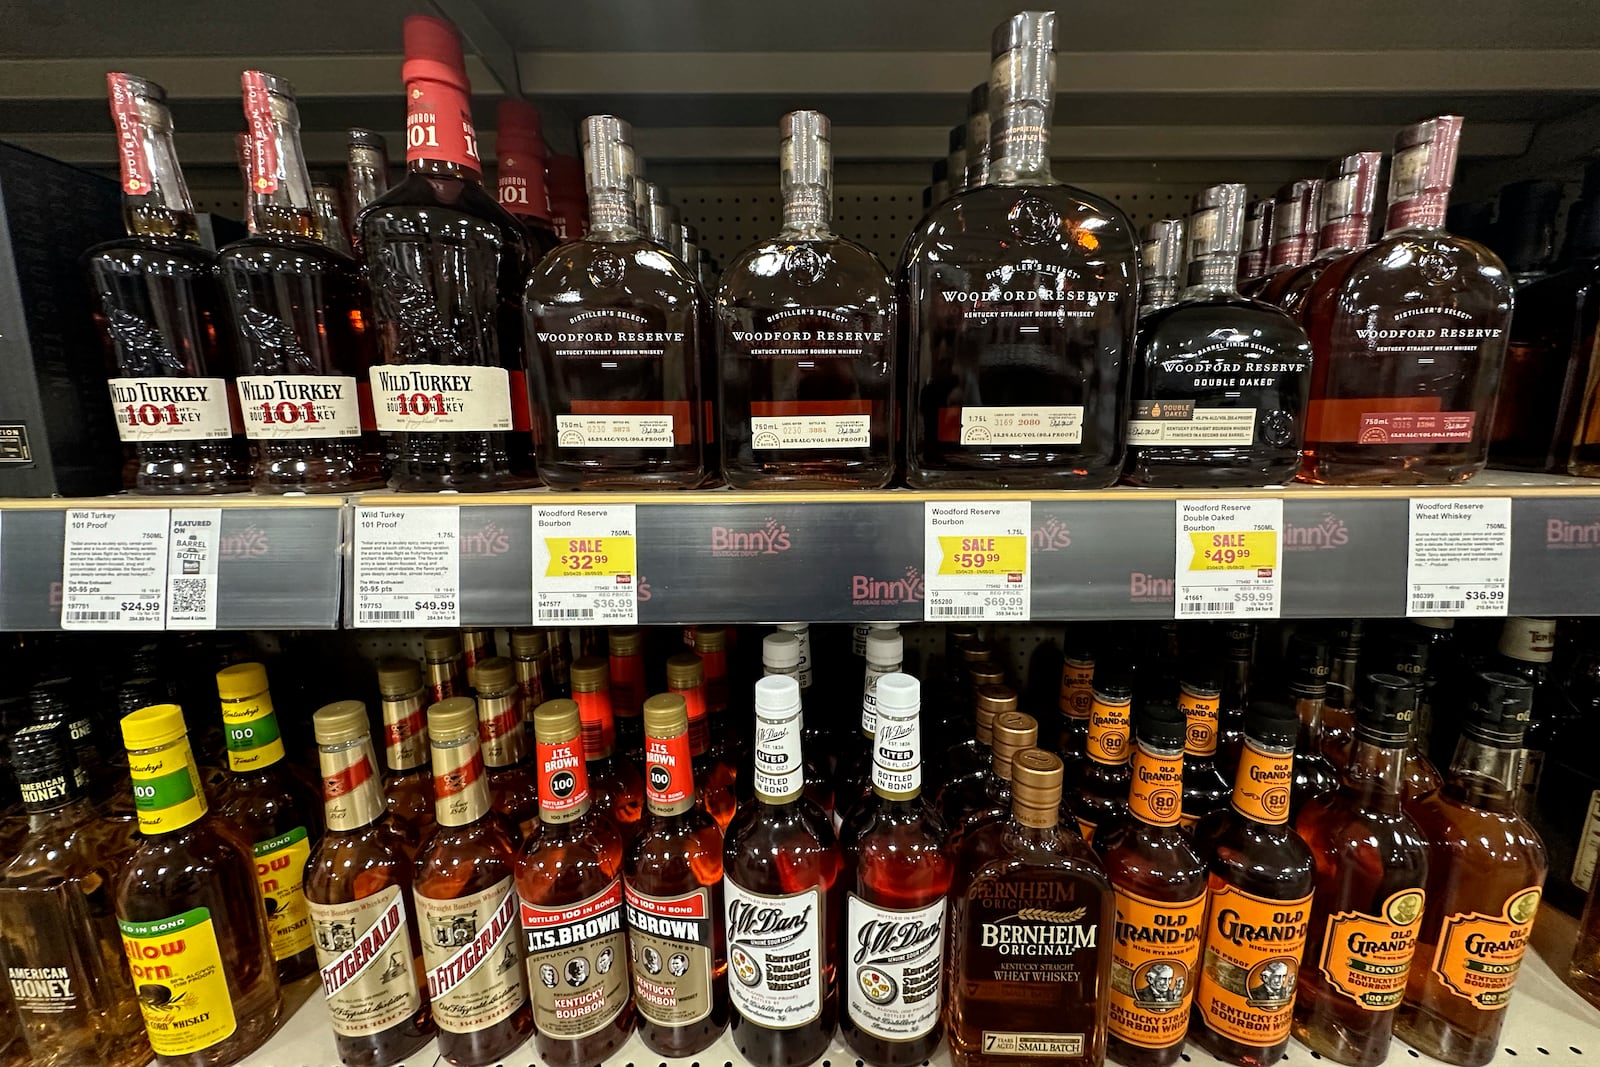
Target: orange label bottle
[(1155, 949), (1479, 955), (1252, 958), (1367, 957), (1200, 711), (1108, 729), (1261, 788), (1156, 794), (1077, 689)]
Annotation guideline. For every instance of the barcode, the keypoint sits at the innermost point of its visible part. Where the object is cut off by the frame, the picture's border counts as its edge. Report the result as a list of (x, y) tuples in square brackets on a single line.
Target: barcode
[(955, 609), (188, 595), (1210, 607), (90, 616), (384, 616), (553, 614), (1448, 605)]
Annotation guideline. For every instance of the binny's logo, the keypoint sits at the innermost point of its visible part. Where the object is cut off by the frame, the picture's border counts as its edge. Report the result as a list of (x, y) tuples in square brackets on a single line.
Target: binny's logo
[(1331, 532), (767, 540), (641, 588), (1559, 533), (1149, 589), (486, 542), (248, 543), (907, 589), (1051, 535)]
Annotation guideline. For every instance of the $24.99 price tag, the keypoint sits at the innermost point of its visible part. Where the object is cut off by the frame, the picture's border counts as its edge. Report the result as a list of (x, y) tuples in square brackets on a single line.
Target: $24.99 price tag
[(114, 569), (1228, 559), (408, 566), (978, 556), (585, 564)]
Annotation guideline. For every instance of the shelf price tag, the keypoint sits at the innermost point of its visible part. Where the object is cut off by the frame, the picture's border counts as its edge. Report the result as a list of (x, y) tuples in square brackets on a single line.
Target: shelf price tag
[(1459, 559), (193, 539), (1228, 554), (114, 569), (585, 564), (408, 566), (978, 560)]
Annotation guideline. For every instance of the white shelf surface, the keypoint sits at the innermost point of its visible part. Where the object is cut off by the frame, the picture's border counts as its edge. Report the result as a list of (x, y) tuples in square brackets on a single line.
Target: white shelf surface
[(1548, 1024)]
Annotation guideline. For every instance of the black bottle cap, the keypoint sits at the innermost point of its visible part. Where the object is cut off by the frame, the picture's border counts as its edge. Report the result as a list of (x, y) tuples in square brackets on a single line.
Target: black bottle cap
[(1307, 659), (138, 693), (1240, 639), (1113, 677), (1499, 709), (1271, 723), (1347, 636), (1407, 655), (1202, 671), (1161, 725), (46, 767), (1386, 709)]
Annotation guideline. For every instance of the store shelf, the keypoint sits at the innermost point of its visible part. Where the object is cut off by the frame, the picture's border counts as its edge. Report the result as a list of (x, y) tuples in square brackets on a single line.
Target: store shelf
[(1547, 1023)]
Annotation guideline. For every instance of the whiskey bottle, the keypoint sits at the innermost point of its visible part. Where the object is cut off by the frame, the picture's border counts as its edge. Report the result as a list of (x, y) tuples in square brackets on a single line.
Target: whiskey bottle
[(569, 880), (1308, 668), (978, 136), (193, 927), (1257, 240), (806, 341), (711, 645), (444, 665), (885, 652), (301, 318), (1583, 973), (1019, 301), (981, 801), (1371, 867), (274, 809), (569, 204), (783, 654), (614, 782), (162, 316), (1406, 654), (519, 173), (1075, 700), (715, 778), (331, 219), (1409, 399), (408, 784), (467, 905), (1526, 649), (1220, 381), (1160, 883), (446, 263), (1344, 225), (1258, 890), (955, 160), (1160, 257), (673, 883), (970, 757), (530, 659), (1205, 787), (1100, 792), (1486, 866), (896, 874), (558, 641), (781, 869), (1239, 644), (1339, 709), (503, 739), (614, 329), (358, 883), (366, 174), (1295, 211), (59, 941), (1030, 972), (626, 674), (477, 644), (1524, 234)]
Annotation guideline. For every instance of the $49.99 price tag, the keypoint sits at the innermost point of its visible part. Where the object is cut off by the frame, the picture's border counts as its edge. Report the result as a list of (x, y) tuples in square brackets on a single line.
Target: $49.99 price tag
[(408, 566), (977, 556), (1459, 558), (585, 564), (1228, 554)]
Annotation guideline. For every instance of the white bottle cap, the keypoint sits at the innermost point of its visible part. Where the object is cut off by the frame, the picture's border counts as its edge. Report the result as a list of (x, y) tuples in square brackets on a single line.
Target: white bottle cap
[(898, 695), (777, 697), (885, 648), (780, 651)]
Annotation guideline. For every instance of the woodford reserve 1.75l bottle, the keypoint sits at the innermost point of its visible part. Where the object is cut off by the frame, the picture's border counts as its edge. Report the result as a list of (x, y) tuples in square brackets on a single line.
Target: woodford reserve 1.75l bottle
[(1019, 302)]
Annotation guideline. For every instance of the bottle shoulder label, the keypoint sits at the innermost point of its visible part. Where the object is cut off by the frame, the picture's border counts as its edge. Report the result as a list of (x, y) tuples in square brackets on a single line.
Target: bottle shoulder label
[(286, 407), (775, 955), (470, 946), (577, 966), (1479, 955), (1251, 962), (368, 971), (671, 942), (1367, 957), (440, 398), (893, 968), (182, 982), (280, 872), (1155, 950), (170, 408)]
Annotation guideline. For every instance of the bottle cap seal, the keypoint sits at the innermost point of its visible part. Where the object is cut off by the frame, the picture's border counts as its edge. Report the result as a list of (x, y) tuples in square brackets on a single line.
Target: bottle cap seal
[(885, 648), (589, 674), (777, 697), (1161, 725), (453, 719), (665, 715), (440, 645), (495, 674), (398, 676), (241, 681), (898, 692), (996, 699), (710, 639), (685, 671), (780, 651), (557, 721), (624, 641), (433, 52), (529, 644), (1271, 724), (152, 727), (337, 723), (1499, 709), (1386, 709)]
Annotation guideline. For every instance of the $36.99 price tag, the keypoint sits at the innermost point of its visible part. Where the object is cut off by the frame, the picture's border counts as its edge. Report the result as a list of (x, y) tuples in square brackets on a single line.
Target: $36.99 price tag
[(1228, 556), (978, 560), (408, 566), (1459, 558), (585, 564)]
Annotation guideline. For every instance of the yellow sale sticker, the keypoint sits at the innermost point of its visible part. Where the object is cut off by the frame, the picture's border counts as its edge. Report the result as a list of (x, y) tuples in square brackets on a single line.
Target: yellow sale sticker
[(1233, 550), (983, 555), (585, 557)]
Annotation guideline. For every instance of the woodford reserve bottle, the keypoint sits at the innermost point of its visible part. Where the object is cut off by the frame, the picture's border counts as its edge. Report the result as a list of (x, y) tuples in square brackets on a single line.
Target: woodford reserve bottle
[(1257, 239), (192, 922), (301, 319), (896, 874), (781, 869), (1371, 865), (569, 879), (1294, 230), (1030, 972), (358, 882), (806, 341), (1019, 303), (1486, 866), (673, 883), (1344, 225), (1408, 336), (408, 785), (1258, 893), (161, 314), (614, 327), (445, 263), (467, 905), (1220, 381), (1160, 257)]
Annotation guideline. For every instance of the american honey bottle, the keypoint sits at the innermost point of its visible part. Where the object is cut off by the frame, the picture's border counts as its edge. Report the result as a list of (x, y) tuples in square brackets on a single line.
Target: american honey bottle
[(1258, 888), (1486, 870), (408, 783)]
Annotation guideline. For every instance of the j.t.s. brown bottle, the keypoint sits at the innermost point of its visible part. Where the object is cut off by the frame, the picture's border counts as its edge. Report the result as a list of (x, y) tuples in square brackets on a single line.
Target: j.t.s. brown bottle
[(614, 780)]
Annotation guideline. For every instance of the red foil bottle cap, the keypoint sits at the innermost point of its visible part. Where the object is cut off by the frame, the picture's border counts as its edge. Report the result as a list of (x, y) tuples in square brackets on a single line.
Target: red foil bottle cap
[(519, 121), (566, 175), (433, 52)]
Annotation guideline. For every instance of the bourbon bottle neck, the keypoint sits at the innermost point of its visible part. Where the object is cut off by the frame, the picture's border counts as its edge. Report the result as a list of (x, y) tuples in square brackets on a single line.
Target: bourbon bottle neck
[(155, 197), (352, 796), (279, 182)]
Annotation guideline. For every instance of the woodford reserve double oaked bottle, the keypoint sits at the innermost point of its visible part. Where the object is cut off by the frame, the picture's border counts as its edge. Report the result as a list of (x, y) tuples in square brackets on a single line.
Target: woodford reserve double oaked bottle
[(445, 263), (1019, 302), (1408, 336), (806, 341), (161, 314), (1220, 381), (1160, 257), (301, 319), (614, 325)]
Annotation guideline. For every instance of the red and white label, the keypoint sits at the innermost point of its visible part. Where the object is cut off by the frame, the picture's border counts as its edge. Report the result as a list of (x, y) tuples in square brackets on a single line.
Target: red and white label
[(130, 136), (599, 724), (432, 398), (171, 409), (1423, 427), (554, 927), (668, 770), (263, 162), (291, 406), (563, 779), (439, 125)]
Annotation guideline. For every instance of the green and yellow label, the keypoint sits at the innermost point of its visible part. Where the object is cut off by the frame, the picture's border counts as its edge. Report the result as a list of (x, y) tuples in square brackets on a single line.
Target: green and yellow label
[(280, 869), (166, 789), (183, 992), (251, 727)]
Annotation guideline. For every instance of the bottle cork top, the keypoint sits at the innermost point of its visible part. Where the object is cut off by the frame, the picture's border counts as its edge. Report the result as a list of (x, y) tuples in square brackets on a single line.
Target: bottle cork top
[(398, 676), (152, 727), (780, 650), (710, 639), (588, 674), (453, 719), (996, 700), (494, 674), (529, 644), (556, 721), (241, 680), (665, 715), (438, 645), (684, 671), (624, 641), (340, 722)]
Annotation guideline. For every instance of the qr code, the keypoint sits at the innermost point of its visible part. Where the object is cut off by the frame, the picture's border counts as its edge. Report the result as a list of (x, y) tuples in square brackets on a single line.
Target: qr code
[(188, 596)]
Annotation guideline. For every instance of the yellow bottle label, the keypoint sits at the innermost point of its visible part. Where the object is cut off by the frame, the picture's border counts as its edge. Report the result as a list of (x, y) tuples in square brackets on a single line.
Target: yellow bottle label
[(1479, 955), (166, 789), (1200, 712), (250, 728), (1157, 793), (183, 991), (1367, 957), (1261, 788), (1077, 689), (1108, 731), (1251, 963), (1155, 949), (280, 868)]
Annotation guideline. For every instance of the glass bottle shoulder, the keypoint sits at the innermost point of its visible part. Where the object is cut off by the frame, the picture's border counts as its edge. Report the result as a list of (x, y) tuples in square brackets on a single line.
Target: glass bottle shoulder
[(281, 253), (667, 847), (1417, 268), (828, 271), (1253, 853), (587, 273), (767, 841), (1153, 855), (1052, 223), (917, 827), (439, 199), (180, 861), (137, 253), (1466, 833), (1347, 829), (57, 848), (487, 843), (1025, 856), (1194, 328)]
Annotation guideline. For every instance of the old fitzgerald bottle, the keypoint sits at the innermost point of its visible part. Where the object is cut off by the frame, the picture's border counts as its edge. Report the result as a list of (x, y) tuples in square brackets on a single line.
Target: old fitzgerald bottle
[(806, 341), (1030, 919), (1019, 301), (513, 777), (59, 941), (781, 888), (445, 263), (300, 316), (1408, 337), (359, 881), (277, 812), (467, 905), (569, 879), (1344, 224), (673, 884), (1371, 866), (1220, 381), (896, 874), (161, 314), (1160, 883), (1486, 867), (614, 325), (1258, 887), (193, 927), (408, 785)]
